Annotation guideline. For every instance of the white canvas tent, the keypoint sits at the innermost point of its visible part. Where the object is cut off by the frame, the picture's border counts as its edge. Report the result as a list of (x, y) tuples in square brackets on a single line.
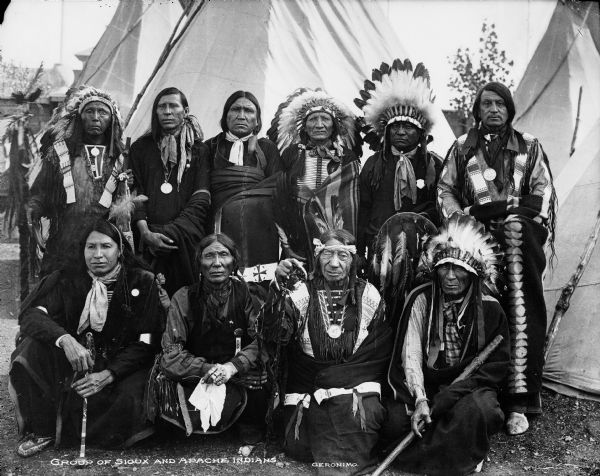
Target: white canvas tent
[(127, 52), (566, 62), (271, 47)]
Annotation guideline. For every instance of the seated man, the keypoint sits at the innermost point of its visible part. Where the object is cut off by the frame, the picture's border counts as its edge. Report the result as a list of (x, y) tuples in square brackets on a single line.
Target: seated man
[(87, 336), (208, 350), (338, 345), (445, 324)]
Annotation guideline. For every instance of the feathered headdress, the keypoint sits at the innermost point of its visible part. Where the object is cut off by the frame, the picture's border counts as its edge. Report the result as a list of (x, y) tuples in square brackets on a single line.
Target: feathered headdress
[(62, 124), (290, 119), (395, 94), (465, 242)]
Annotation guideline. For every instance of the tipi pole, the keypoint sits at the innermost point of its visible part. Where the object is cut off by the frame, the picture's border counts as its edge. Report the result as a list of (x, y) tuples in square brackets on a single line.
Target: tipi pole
[(171, 42), (564, 301), (576, 122)]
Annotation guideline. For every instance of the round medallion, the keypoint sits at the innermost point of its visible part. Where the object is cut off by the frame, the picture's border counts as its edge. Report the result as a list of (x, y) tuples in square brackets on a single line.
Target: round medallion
[(334, 331), (95, 151), (135, 292), (166, 188), (420, 183), (489, 174)]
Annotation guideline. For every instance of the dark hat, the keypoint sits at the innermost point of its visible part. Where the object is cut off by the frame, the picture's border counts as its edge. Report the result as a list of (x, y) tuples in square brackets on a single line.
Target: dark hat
[(501, 91)]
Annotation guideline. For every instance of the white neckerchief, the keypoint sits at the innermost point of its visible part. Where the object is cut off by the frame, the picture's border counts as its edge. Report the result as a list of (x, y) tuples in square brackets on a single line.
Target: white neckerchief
[(236, 155), (96, 303)]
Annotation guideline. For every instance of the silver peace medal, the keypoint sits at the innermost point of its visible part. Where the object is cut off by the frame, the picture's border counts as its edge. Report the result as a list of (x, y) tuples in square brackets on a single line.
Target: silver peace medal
[(166, 188), (489, 174), (420, 183), (334, 331)]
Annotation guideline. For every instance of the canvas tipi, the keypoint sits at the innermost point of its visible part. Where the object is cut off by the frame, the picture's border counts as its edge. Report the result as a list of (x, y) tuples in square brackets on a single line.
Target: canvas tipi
[(558, 101), (272, 47), (128, 50)]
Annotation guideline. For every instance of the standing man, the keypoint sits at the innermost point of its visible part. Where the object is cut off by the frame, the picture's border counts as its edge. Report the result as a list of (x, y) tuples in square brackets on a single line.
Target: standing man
[(170, 167), (242, 183), (319, 139), (402, 175), (502, 178), (80, 168)]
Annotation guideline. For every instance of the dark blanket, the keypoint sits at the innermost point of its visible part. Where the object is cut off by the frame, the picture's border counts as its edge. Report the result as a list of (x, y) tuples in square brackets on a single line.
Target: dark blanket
[(243, 210), (181, 215), (41, 374)]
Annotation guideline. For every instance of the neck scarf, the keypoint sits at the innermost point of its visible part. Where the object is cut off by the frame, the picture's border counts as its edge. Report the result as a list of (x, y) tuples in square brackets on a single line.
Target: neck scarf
[(181, 140), (215, 301), (325, 151), (96, 303), (236, 154), (405, 181)]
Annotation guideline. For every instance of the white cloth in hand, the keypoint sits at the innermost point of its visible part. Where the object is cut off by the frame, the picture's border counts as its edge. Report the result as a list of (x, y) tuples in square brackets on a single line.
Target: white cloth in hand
[(209, 400)]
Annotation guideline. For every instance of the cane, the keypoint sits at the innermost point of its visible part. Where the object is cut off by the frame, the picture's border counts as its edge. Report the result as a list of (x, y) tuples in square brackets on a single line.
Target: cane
[(467, 372), (89, 345)]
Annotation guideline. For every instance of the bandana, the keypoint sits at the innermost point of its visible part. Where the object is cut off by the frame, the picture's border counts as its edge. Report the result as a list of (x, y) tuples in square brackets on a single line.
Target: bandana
[(183, 140), (405, 180), (96, 303), (321, 247), (236, 154)]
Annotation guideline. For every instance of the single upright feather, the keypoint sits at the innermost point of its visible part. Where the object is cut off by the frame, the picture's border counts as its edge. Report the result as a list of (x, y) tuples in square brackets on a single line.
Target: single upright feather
[(386, 264), (401, 265)]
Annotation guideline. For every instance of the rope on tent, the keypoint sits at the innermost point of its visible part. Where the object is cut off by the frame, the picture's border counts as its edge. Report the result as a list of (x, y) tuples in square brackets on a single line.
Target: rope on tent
[(572, 150), (171, 42), (109, 56), (564, 58), (563, 303)]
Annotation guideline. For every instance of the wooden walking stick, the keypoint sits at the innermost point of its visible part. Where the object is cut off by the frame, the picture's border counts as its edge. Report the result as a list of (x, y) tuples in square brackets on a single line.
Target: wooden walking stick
[(467, 372), (89, 344)]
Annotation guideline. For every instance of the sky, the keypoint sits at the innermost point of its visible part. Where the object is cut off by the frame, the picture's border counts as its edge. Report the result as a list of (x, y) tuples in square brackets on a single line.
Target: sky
[(430, 30)]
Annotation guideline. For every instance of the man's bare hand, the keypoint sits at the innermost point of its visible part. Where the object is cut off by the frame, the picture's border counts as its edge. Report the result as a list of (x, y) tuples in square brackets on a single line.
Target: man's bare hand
[(421, 416), (93, 383), (158, 243), (77, 355), (286, 267)]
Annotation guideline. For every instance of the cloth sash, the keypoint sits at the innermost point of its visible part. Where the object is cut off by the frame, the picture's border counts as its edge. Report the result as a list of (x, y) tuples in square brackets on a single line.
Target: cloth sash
[(236, 154), (96, 303), (64, 160)]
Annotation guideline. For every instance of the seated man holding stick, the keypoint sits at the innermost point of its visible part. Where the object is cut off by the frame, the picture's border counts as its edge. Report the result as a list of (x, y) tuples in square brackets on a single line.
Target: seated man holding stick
[(446, 324)]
